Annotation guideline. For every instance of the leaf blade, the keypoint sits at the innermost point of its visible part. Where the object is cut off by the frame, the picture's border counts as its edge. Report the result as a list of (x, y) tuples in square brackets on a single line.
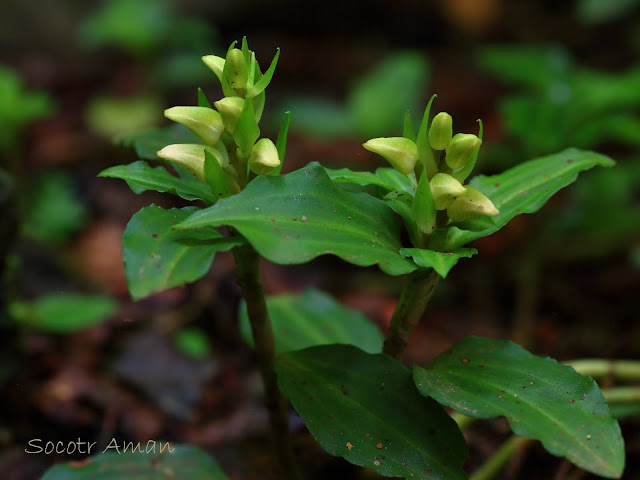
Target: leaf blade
[(355, 412), (441, 262), (487, 378)]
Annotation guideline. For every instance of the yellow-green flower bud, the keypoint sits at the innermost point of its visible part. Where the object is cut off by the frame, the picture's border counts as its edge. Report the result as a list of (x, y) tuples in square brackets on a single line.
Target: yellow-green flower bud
[(400, 152), (445, 189), (264, 157), (471, 204), (441, 131), (461, 149), (205, 122), (230, 109), (216, 64), (237, 70), (189, 155)]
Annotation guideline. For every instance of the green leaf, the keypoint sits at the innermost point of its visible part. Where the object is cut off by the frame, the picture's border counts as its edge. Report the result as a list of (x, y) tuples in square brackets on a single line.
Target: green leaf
[(157, 258), (441, 262), (149, 142), (541, 398), (215, 177), (55, 212), (141, 177), (246, 131), (522, 189), (365, 408), (293, 218), (422, 142), (387, 178), (65, 312), (407, 127), (314, 318), (184, 462), (281, 142)]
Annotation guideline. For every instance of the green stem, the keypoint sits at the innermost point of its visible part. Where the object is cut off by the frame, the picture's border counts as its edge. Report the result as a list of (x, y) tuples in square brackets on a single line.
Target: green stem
[(417, 289), (499, 459), (248, 275), (618, 369)]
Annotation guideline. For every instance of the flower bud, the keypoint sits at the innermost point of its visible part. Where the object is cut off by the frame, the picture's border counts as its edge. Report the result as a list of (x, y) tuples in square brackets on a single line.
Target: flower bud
[(205, 122), (189, 155), (264, 157), (230, 109), (400, 152), (216, 64), (471, 204), (441, 131), (461, 149), (237, 70), (445, 190)]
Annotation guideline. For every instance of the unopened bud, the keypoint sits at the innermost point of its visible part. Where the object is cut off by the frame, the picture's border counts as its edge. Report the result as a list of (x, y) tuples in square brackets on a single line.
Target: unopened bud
[(264, 157), (461, 149), (472, 204), (237, 70), (441, 131), (445, 190), (205, 122), (230, 109), (400, 152), (216, 64), (189, 155)]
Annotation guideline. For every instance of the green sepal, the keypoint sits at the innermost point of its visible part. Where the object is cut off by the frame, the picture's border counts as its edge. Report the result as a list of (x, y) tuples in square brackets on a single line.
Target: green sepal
[(246, 131), (261, 84), (245, 50), (422, 141), (463, 173), (202, 99), (281, 142), (407, 127), (423, 207), (215, 176)]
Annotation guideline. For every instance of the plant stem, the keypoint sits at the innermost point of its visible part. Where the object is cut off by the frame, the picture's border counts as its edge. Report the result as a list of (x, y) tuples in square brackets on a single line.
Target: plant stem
[(248, 275), (618, 369), (499, 459), (417, 289)]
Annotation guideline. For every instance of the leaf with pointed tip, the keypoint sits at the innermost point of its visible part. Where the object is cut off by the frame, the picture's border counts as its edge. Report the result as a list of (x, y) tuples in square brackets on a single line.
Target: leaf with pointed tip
[(541, 398), (365, 408), (522, 189), (281, 142), (263, 83), (314, 318), (389, 179), (140, 177), (157, 258), (294, 218), (407, 127), (202, 99), (164, 461), (441, 262), (215, 177), (246, 131)]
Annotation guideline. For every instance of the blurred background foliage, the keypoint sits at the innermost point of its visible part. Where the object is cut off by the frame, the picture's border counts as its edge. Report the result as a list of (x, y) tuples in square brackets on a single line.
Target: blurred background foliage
[(80, 81)]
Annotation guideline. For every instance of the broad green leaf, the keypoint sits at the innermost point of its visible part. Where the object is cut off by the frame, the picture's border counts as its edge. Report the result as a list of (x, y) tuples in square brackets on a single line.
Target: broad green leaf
[(65, 312), (387, 178), (140, 177), (441, 262), (148, 142), (522, 189), (314, 318), (157, 460), (365, 408), (540, 397), (157, 258), (294, 218)]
